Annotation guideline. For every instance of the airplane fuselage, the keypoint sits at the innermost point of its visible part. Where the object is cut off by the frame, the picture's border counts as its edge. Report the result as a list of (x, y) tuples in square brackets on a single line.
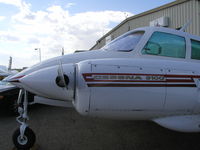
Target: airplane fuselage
[(145, 83)]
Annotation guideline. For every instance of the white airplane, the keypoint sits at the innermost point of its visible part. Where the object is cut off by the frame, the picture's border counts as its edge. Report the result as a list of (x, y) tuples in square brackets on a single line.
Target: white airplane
[(3, 72), (150, 73)]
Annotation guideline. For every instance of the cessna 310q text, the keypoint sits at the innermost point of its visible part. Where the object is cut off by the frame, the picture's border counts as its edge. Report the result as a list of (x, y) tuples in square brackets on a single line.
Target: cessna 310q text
[(150, 73)]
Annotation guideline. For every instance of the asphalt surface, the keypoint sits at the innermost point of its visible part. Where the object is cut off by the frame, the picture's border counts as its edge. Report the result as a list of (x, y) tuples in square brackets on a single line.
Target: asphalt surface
[(64, 129)]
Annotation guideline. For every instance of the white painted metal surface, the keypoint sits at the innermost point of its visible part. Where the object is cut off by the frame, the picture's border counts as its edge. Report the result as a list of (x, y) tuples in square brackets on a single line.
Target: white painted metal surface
[(123, 83)]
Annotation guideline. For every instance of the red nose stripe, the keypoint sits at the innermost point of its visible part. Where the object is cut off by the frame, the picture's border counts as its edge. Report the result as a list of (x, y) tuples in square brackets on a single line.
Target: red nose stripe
[(16, 79)]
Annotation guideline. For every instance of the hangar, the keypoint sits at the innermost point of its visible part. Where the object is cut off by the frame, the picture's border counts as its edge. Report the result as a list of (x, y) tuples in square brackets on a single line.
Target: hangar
[(172, 15)]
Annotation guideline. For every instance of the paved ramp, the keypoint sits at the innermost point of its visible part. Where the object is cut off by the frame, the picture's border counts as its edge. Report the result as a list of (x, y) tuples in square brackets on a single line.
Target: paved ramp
[(64, 129)]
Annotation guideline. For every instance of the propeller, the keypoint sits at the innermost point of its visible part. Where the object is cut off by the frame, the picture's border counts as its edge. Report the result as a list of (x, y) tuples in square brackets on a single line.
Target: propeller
[(62, 80)]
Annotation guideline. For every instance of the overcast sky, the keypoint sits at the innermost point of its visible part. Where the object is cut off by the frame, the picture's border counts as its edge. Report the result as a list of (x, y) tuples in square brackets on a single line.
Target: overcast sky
[(53, 24)]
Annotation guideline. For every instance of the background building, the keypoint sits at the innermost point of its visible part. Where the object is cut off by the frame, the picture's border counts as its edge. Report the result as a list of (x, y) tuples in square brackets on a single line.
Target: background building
[(172, 15)]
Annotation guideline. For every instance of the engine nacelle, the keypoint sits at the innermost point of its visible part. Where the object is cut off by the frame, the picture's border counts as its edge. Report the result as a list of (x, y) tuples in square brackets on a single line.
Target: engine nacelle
[(82, 92), (108, 88), (92, 99)]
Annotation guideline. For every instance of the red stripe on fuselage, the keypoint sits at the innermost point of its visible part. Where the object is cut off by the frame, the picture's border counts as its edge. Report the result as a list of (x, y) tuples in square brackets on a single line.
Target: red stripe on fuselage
[(165, 75), (164, 80), (141, 85), (189, 78)]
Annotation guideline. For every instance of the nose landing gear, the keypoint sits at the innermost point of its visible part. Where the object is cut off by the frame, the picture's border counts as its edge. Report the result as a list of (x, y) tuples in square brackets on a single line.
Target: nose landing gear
[(23, 137)]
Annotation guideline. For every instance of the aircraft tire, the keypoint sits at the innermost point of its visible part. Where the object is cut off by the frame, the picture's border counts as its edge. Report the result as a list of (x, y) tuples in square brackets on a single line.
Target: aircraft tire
[(28, 140)]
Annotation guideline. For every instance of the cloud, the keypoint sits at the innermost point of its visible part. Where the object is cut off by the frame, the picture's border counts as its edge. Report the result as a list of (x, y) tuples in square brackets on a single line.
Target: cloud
[(22, 5), (70, 5), (16, 3), (33, 40), (9, 38), (2, 18), (55, 27)]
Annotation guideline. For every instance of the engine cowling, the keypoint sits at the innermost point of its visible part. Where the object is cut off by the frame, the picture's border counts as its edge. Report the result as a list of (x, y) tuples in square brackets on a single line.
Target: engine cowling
[(47, 82)]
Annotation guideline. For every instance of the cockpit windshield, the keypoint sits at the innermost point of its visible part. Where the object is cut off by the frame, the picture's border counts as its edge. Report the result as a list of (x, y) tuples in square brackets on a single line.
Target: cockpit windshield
[(125, 43)]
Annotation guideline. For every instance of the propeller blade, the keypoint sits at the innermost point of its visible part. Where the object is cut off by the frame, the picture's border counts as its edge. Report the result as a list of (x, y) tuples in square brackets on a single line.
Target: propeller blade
[(62, 80)]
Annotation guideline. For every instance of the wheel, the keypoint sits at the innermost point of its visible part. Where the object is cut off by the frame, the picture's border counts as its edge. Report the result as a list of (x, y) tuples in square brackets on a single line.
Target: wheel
[(26, 142)]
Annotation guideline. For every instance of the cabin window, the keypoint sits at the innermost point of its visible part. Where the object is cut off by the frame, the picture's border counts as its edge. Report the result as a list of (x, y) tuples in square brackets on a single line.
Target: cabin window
[(195, 49), (165, 44)]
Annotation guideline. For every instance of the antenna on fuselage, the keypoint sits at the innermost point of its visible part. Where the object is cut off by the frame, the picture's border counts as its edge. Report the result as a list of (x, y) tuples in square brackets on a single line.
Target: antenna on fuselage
[(186, 25)]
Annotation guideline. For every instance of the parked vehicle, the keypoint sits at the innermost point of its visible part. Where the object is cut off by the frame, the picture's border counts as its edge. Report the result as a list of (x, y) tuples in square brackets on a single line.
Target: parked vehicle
[(8, 97)]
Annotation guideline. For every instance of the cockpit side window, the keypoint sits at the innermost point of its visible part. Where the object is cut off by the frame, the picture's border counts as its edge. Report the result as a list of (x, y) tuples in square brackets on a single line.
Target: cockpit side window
[(195, 49), (165, 44)]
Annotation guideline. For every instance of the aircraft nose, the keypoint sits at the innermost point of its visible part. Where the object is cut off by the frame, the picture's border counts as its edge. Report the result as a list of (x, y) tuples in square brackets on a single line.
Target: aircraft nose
[(51, 82), (13, 78)]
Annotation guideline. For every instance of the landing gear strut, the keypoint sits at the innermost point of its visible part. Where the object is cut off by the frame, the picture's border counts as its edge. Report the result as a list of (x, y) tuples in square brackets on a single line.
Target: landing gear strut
[(23, 137)]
